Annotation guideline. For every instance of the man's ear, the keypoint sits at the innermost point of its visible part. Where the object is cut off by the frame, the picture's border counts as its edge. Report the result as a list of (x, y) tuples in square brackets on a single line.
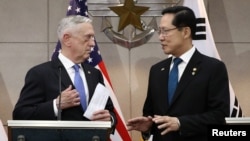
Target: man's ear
[(66, 39), (186, 32)]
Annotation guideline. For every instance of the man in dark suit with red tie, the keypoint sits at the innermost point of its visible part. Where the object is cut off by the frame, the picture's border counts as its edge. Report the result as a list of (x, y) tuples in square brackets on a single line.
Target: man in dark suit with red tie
[(39, 98), (201, 97)]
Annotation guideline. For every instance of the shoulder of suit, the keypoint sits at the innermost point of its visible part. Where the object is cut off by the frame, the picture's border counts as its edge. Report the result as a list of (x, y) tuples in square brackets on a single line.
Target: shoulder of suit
[(42, 65), (210, 60), (89, 67), (162, 63)]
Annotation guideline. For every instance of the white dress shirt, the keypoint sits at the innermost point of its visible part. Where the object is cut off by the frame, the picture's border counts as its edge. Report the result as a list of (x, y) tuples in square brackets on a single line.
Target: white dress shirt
[(68, 65)]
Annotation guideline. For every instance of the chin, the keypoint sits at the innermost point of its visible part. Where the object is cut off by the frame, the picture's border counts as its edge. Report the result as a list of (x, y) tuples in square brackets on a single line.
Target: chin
[(166, 51), (86, 57)]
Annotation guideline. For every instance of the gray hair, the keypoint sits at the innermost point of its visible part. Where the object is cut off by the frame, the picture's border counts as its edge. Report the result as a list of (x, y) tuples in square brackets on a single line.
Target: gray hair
[(69, 22)]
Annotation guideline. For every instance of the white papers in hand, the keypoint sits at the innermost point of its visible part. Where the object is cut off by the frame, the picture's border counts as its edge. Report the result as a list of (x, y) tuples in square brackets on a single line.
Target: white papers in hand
[(98, 100)]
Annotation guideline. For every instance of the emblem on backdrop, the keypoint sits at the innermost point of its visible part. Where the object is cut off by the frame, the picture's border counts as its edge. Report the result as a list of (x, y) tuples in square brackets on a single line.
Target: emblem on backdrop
[(136, 19)]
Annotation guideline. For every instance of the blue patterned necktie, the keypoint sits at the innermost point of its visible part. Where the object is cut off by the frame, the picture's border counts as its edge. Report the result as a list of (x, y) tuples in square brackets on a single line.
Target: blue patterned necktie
[(173, 79), (80, 87)]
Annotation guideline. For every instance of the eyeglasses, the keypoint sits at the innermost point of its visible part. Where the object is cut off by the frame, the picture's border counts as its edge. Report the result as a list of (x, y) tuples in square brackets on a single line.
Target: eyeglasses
[(164, 32)]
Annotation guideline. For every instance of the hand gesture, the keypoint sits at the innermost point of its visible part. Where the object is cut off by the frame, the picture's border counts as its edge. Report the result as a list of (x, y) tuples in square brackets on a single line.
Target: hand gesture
[(142, 124), (69, 98)]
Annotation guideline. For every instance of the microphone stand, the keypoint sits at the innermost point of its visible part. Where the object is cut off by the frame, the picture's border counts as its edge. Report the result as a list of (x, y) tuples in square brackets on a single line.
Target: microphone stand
[(60, 89)]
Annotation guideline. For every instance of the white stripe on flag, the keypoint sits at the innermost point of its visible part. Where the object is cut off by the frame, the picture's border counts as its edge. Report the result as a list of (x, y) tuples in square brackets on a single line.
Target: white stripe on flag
[(207, 46), (3, 135), (116, 136)]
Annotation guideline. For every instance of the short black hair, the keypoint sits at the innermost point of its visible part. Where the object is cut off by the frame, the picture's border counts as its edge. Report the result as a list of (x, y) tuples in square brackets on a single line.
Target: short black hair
[(184, 17)]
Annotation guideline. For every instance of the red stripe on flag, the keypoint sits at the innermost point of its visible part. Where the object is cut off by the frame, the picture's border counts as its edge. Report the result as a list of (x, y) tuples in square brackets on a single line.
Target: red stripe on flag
[(104, 71), (120, 127)]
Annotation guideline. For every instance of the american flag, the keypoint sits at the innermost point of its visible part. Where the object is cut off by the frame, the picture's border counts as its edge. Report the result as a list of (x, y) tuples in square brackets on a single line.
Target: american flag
[(79, 7)]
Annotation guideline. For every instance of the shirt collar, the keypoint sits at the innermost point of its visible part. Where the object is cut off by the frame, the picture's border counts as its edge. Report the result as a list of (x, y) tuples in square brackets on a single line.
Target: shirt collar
[(67, 63), (187, 55)]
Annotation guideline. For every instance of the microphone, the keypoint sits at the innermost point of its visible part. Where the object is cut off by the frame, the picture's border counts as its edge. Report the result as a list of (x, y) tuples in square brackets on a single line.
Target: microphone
[(59, 117), (20, 138), (95, 138)]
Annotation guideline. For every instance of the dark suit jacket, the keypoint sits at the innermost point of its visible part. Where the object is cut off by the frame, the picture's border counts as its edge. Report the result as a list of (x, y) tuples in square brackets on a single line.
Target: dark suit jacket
[(42, 86), (201, 97)]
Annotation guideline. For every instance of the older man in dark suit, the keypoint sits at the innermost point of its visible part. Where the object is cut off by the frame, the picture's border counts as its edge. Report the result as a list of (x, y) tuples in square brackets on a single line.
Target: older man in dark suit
[(39, 98), (201, 97)]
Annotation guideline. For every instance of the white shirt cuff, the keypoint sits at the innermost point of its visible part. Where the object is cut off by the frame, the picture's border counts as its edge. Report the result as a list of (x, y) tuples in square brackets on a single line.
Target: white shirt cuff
[(55, 108)]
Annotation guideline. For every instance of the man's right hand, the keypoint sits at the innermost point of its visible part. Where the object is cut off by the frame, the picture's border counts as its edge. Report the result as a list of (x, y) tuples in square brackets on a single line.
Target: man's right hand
[(69, 98), (142, 124)]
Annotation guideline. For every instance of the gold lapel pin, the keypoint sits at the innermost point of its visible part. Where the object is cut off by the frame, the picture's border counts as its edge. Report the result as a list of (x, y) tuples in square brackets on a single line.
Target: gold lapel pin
[(194, 71)]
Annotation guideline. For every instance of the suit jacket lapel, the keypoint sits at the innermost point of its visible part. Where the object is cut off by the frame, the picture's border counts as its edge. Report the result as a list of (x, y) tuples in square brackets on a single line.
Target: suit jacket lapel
[(191, 70), (163, 72), (65, 79), (88, 75)]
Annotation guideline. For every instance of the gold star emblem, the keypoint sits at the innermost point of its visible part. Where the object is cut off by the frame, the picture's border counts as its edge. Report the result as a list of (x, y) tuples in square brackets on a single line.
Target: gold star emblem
[(129, 14)]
